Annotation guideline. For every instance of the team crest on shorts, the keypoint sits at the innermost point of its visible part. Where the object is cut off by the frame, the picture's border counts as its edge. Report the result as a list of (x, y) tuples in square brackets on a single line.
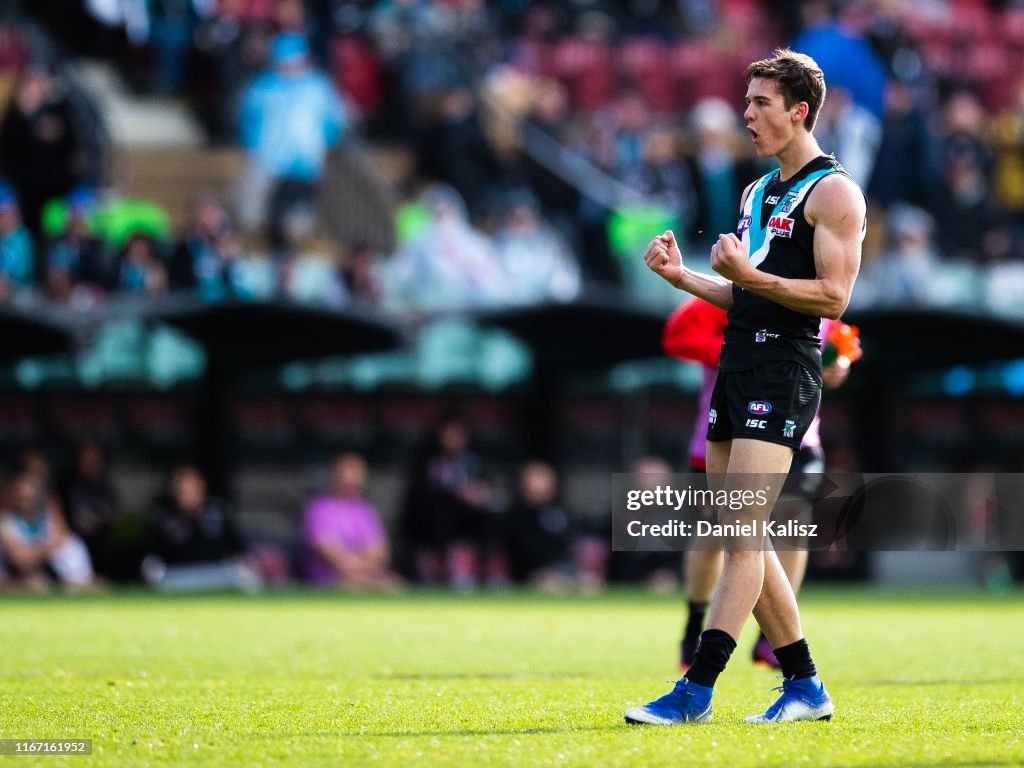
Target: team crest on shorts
[(789, 429)]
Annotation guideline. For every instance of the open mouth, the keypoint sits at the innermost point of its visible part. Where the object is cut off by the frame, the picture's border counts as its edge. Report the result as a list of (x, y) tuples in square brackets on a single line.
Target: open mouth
[(753, 133)]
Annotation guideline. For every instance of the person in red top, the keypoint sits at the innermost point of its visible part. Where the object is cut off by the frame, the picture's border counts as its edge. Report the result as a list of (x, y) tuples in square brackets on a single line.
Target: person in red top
[(695, 333)]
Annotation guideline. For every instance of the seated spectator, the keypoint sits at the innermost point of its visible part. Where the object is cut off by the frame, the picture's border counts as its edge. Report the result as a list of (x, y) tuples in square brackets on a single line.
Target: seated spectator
[(313, 275), (535, 259), (37, 544), (540, 532), (360, 276), (448, 264), (345, 542), (75, 263), (449, 519), (203, 258), (17, 252), (195, 541), (90, 503), (142, 272), (904, 273)]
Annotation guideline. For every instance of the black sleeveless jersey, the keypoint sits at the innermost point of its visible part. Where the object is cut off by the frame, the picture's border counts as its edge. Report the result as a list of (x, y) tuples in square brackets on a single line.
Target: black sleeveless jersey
[(780, 242)]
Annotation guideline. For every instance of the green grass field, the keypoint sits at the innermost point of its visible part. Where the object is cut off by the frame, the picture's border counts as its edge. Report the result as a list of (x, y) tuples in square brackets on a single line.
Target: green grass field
[(919, 679)]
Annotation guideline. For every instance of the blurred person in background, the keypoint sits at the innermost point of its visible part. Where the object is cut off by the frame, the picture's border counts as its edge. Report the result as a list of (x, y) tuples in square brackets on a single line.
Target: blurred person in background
[(361, 277), (290, 118), (141, 270), (37, 544), (904, 273), (17, 251), (665, 177), (195, 541), (971, 225), (540, 532), (313, 275), (902, 170), (40, 150), (720, 173), (534, 258), (90, 503), (453, 148), (75, 260), (346, 544), (211, 260), (448, 264), (449, 518), (850, 132)]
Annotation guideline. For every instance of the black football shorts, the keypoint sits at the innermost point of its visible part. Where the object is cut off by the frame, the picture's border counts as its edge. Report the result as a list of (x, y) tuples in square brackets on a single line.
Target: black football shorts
[(774, 402)]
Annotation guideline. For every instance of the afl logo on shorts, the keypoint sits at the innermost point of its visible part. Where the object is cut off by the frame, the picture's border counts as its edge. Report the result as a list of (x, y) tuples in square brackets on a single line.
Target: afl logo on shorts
[(743, 225), (759, 407)]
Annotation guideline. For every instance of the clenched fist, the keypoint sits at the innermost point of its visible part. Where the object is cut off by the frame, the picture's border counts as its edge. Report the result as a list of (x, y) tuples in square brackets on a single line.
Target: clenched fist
[(663, 257), (729, 259)]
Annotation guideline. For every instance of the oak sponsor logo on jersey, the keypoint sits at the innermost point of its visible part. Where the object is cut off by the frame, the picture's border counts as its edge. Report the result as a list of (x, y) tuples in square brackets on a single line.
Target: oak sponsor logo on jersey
[(780, 226)]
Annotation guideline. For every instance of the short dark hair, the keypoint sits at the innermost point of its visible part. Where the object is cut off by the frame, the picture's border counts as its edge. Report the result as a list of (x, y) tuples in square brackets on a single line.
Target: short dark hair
[(798, 78)]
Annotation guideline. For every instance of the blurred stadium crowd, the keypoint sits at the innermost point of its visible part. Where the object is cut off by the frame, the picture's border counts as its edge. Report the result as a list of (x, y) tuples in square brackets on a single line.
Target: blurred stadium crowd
[(639, 100), (534, 146)]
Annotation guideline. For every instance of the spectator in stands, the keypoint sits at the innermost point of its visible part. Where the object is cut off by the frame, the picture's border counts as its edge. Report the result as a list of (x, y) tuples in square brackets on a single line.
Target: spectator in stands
[(449, 518), (453, 148), (360, 276), (850, 132), (41, 150), (346, 544), (534, 258), (290, 118), (905, 271), (195, 540), (902, 169), (719, 171), (971, 225), (189, 526), (17, 251), (540, 533), (35, 538), (90, 503), (142, 271), (665, 179), (448, 264), (211, 262), (314, 276), (76, 270)]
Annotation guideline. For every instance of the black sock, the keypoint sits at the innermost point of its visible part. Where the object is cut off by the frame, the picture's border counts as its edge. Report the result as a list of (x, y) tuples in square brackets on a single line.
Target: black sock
[(695, 622), (712, 655), (796, 660)]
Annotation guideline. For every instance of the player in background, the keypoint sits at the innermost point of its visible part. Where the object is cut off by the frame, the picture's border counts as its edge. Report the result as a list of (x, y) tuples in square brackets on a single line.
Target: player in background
[(792, 261), (695, 333)]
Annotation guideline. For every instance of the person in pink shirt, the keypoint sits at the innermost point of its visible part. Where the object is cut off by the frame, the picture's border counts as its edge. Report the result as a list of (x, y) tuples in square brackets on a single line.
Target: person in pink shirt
[(695, 333), (346, 544)]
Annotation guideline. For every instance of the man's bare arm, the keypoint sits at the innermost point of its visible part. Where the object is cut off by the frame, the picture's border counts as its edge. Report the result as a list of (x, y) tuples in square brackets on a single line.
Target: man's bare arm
[(836, 209)]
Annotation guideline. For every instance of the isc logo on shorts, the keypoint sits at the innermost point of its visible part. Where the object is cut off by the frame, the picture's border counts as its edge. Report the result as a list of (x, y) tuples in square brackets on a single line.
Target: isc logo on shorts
[(780, 226), (756, 423), (759, 407)]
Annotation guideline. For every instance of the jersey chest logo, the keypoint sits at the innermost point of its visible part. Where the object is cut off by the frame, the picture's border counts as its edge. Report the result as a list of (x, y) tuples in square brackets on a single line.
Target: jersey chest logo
[(743, 225), (780, 226)]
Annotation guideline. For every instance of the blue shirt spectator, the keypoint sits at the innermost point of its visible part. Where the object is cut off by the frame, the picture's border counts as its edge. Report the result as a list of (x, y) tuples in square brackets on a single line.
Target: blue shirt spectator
[(17, 251), (291, 115)]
